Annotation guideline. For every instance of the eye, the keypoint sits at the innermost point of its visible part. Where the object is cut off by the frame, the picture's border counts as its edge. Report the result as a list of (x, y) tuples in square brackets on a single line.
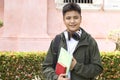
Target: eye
[(68, 17), (76, 17)]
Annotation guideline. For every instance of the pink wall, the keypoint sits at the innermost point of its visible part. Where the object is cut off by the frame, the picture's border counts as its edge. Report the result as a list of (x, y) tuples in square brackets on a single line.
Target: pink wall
[(29, 25), (25, 18), (25, 26), (92, 20), (1, 8), (97, 23)]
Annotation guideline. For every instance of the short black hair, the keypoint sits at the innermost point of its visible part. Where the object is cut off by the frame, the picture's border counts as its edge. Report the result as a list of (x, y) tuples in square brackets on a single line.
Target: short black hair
[(71, 7)]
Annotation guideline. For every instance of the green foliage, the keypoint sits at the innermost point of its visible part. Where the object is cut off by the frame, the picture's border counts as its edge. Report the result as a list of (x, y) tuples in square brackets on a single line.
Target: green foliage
[(1, 23), (20, 65), (111, 65), (27, 65), (115, 36)]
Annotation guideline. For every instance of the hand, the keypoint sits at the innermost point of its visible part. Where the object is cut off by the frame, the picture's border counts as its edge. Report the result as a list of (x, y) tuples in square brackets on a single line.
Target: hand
[(62, 77), (73, 63)]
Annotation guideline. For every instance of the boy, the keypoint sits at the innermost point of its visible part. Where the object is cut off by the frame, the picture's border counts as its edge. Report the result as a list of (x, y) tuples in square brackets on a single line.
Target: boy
[(86, 62)]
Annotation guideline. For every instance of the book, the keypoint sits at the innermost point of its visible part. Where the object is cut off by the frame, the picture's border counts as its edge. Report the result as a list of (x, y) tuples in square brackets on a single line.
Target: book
[(60, 69), (65, 60)]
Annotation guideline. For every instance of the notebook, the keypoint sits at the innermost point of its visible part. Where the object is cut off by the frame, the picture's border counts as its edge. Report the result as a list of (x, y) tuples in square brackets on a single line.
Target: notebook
[(64, 62), (60, 69)]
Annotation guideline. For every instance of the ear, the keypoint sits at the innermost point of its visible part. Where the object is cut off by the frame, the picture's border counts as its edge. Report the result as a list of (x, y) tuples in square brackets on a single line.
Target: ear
[(80, 19), (63, 17)]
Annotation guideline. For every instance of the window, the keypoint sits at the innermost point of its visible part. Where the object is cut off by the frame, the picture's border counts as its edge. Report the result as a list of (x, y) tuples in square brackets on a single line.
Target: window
[(79, 1), (111, 4), (85, 4)]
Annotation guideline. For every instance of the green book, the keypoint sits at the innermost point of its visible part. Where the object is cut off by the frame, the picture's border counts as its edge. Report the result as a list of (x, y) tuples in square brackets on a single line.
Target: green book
[(65, 58)]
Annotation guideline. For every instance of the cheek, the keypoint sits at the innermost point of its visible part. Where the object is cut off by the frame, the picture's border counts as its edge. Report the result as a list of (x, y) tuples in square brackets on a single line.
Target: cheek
[(79, 21), (66, 22)]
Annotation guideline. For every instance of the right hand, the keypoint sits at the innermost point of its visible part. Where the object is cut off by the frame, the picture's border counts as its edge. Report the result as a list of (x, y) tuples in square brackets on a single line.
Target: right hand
[(62, 77), (73, 63)]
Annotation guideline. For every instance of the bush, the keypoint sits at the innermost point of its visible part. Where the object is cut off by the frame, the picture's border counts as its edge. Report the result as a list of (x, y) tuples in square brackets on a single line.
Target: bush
[(27, 66), (20, 65), (111, 65), (1, 23), (115, 36)]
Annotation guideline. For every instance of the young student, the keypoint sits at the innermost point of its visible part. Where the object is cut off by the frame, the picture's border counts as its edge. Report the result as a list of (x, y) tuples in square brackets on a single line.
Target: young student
[(86, 62)]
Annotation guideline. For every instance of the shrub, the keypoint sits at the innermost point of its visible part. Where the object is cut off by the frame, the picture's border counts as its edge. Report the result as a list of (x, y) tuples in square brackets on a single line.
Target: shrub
[(115, 36), (20, 65), (27, 65), (111, 65), (1, 23)]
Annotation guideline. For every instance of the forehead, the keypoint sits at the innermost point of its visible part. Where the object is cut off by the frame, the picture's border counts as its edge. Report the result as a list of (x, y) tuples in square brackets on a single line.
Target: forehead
[(72, 13)]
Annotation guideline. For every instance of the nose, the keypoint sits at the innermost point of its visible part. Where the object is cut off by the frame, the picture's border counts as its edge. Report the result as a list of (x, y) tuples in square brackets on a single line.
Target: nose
[(72, 20)]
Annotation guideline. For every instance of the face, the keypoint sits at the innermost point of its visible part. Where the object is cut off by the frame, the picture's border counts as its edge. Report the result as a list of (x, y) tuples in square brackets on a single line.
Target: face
[(72, 20)]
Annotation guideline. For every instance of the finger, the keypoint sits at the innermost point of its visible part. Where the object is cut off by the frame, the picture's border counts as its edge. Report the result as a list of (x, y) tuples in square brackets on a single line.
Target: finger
[(62, 75)]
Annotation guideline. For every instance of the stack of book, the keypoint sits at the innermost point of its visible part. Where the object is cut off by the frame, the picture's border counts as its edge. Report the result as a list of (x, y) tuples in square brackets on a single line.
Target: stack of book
[(64, 62)]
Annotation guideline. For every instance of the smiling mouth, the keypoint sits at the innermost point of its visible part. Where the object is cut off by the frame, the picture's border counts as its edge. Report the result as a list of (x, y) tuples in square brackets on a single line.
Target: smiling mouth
[(72, 25)]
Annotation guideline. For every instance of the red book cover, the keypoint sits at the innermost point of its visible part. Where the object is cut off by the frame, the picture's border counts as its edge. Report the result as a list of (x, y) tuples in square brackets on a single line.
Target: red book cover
[(60, 69)]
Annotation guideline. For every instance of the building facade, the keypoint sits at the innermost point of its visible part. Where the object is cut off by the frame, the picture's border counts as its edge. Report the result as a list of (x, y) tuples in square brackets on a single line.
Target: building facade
[(30, 25)]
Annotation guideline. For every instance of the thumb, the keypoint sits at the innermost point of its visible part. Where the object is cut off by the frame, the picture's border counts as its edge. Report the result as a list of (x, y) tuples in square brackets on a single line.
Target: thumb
[(63, 75)]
